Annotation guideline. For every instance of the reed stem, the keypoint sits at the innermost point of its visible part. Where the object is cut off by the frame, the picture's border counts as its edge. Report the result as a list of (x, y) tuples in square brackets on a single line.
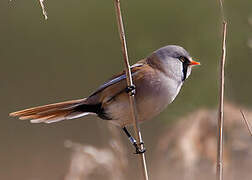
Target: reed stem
[(137, 131), (219, 165)]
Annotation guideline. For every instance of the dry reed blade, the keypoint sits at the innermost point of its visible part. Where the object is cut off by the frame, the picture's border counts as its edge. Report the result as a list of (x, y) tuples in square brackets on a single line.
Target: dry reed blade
[(43, 9), (247, 122), (130, 83)]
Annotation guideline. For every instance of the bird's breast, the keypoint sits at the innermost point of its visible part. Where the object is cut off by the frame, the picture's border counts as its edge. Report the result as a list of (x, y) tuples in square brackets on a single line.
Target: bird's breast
[(158, 97), (153, 94)]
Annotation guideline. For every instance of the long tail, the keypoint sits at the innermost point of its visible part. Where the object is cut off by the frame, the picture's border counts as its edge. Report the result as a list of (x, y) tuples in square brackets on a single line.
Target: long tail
[(55, 112)]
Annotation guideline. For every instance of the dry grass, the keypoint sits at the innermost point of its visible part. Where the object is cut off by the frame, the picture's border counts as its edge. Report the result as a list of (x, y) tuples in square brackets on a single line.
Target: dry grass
[(187, 150), (88, 162)]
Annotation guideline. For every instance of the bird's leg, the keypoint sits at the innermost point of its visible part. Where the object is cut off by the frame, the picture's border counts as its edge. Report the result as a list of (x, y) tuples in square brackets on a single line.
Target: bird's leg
[(131, 90), (139, 149)]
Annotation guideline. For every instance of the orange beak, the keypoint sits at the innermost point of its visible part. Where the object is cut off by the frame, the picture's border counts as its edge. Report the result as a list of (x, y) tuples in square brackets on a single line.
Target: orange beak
[(194, 63)]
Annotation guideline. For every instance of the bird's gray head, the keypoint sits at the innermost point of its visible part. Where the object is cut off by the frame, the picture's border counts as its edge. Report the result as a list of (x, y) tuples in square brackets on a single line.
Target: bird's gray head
[(174, 60)]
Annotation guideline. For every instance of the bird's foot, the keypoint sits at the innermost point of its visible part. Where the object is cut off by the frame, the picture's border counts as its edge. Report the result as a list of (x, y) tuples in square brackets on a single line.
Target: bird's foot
[(140, 148), (131, 90)]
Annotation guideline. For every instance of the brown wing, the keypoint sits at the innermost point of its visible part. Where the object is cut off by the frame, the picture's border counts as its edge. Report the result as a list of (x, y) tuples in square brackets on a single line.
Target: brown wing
[(118, 78), (118, 85)]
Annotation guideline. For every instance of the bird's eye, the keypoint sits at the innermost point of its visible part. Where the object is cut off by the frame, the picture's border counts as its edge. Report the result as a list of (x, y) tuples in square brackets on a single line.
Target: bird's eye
[(182, 59)]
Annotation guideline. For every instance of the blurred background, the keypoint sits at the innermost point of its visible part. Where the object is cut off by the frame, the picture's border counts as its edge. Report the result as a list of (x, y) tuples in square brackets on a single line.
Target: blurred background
[(78, 48)]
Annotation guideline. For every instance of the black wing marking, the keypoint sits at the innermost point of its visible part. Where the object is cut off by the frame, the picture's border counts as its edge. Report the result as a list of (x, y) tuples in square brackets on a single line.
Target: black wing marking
[(115, 80)]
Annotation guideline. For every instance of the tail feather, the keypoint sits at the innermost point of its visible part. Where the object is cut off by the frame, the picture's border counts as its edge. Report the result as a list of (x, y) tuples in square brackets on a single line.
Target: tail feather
[(53, 112), (45, 108)]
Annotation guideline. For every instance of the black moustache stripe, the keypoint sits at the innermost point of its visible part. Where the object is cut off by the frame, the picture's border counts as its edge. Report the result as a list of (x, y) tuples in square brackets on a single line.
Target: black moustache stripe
[(185, 67)]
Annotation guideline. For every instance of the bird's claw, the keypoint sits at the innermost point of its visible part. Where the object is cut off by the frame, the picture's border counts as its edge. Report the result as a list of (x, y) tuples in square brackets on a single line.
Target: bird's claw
[(140, 151), (141, 143), (131, 90), (139, 148)]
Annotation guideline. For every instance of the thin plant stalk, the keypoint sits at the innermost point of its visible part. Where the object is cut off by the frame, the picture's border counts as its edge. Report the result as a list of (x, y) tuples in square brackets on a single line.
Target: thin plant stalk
[(43, 9), (219, 165), (247, 122), (130, 83)]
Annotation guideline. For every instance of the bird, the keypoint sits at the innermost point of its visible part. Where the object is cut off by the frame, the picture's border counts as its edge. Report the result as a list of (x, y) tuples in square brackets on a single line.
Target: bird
[(157, 80)]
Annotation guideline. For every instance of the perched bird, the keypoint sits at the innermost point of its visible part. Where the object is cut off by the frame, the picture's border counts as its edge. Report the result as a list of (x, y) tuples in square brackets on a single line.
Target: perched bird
[(157, 79)]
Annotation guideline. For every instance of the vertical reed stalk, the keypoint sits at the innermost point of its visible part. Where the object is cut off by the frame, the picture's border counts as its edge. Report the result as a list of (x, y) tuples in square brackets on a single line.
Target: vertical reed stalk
[(219, 165), (142, 160)]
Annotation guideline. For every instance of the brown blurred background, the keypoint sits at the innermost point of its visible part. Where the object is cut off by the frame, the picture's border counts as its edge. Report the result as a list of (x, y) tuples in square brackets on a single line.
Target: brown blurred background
[(78, 48)]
